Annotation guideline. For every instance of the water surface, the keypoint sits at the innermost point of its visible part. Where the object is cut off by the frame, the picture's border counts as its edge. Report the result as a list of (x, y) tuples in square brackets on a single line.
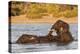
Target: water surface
[(40, 30)]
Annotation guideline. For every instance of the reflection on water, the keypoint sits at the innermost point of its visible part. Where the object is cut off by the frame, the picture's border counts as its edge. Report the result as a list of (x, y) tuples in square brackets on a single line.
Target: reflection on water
[(39, 29)]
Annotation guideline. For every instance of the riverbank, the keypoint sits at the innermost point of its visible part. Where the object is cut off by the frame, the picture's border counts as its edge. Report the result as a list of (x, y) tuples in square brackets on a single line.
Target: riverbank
[(22, 19)]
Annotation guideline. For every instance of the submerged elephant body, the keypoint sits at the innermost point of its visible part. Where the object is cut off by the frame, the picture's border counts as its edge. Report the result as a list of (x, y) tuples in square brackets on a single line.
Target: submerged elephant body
[(65, 38), (62, 30), (25, 38), (43, 39)]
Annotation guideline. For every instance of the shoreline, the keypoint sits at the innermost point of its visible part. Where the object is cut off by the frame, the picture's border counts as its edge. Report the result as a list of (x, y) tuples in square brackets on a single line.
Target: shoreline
[(47, 20)]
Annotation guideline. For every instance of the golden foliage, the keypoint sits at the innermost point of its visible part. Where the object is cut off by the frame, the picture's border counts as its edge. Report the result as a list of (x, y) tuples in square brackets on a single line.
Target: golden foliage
[(37, 10)]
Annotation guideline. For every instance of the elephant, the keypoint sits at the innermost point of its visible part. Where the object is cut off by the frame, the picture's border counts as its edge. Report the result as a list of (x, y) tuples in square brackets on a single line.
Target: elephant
[(33, 39), (43, 39), (62, 30), (63, 33), (26, 38)]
